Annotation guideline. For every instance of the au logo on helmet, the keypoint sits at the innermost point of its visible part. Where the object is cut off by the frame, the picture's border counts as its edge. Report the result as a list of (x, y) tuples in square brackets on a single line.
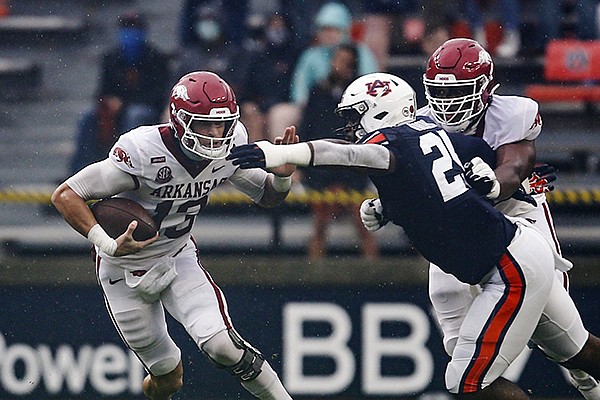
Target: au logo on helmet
[(180, 92), (373, 88)]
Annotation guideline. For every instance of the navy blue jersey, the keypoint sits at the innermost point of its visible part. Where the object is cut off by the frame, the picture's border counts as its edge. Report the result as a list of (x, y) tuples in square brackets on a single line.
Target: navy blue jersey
[(449, 223)]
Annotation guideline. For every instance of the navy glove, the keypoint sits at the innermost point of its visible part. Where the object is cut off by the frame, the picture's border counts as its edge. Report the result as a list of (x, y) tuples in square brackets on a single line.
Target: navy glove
[(247, 156), (540, 179)]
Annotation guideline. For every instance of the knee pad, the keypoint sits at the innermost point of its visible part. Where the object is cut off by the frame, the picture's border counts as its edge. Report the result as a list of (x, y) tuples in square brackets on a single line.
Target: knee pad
[(155, 349), (224, 351)]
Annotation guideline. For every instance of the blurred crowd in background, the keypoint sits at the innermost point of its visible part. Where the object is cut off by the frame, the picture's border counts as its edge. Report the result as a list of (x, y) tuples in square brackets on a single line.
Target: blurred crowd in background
[(283, 57)]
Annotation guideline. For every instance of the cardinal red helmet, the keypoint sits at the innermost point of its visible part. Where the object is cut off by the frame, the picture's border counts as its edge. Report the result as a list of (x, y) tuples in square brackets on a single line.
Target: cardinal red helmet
[(205, 97), (459, 84)]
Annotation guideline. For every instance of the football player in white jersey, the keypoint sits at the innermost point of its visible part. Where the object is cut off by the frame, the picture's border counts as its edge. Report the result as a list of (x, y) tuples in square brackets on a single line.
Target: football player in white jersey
[(459, 87), (170, 169)]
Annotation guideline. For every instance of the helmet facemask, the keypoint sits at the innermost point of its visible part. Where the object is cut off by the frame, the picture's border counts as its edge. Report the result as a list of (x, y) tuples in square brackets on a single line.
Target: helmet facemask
[(202, 144), (353, 131), (457, 106)]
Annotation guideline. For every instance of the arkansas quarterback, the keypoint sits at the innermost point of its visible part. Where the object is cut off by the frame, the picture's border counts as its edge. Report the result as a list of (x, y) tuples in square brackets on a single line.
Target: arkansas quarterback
[(170, 169)]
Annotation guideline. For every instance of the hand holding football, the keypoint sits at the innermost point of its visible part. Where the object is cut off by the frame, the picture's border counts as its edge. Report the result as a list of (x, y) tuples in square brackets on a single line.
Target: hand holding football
[(115, 215)]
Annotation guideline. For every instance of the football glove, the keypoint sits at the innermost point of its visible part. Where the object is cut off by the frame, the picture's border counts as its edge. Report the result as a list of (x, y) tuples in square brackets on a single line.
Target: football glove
[(541, 178), (481, 177), (371, 214)]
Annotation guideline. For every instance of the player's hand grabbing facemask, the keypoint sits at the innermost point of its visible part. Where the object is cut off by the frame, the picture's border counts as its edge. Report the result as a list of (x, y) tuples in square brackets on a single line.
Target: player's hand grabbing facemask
[(371, 214), (481, 177), (540, 179)]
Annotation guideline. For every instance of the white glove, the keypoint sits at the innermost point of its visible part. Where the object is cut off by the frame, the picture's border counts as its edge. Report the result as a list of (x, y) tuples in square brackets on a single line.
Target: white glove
[(482, 178), (371, 214)]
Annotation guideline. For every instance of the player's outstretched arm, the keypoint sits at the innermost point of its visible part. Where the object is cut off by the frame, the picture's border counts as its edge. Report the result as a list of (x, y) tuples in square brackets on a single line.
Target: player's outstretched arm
[(369, 158)]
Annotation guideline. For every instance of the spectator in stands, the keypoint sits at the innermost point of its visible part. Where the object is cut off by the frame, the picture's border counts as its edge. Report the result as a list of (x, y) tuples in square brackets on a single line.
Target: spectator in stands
[(232, 11), (333, 22), (332, 28), (268, 77), (392, 27), (320, 122), (511, 36), (552, 15), (207, 47), (134, 82)]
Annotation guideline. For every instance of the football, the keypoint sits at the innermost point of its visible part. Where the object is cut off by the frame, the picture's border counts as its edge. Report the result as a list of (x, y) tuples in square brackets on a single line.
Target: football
[(116, 213)]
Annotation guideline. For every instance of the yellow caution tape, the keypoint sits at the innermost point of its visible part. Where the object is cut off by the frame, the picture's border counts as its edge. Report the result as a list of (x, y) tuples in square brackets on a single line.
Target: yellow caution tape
[(567, 197)]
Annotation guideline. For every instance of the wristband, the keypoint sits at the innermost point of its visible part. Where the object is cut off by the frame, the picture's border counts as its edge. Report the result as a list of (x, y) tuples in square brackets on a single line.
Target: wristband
[(278, 155), (100, 238), (281, 183)]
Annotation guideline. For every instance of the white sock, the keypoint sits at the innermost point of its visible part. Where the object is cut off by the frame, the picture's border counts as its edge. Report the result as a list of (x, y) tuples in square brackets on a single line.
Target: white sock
[(267, 385)]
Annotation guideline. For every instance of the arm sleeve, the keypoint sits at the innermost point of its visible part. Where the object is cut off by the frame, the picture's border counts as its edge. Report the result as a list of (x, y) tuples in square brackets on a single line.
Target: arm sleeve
[(370, 156), (101, 179), (250, 182)]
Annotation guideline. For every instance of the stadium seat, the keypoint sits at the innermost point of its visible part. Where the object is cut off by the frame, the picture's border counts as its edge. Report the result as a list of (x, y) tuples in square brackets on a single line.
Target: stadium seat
[(571, 72)]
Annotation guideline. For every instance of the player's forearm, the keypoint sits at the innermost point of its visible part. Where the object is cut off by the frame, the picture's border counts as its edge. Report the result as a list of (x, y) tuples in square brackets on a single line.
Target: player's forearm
[(369, 158), (73, 209), (515, 162), (276, 190), (509, 179)]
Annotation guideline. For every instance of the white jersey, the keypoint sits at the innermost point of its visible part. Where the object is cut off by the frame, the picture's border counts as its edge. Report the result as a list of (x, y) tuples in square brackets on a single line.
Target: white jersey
[(172, 187)]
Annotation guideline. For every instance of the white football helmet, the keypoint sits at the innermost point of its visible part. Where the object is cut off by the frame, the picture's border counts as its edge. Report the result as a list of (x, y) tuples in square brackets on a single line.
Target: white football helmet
[(375, 101)]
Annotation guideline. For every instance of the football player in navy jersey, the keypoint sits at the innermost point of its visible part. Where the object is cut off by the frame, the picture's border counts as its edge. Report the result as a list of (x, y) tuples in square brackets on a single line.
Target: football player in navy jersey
[(460, 88), (418, 173), (170, 169)]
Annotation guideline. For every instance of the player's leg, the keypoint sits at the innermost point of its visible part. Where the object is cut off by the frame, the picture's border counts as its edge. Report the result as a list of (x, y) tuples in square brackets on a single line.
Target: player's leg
[(502, 319), (198, 304), (227, 350), (589, 357), (587, 385), (162, 387), (142, 326), (562, 336), (500, 389), (451, 300)]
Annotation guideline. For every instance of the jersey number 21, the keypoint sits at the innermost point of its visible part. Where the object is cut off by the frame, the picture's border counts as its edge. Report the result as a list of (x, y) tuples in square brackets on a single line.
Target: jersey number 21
[(450, 184)]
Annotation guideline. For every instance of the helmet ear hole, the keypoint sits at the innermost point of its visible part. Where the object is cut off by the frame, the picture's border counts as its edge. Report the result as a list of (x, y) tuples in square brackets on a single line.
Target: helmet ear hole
[(381, 115)]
